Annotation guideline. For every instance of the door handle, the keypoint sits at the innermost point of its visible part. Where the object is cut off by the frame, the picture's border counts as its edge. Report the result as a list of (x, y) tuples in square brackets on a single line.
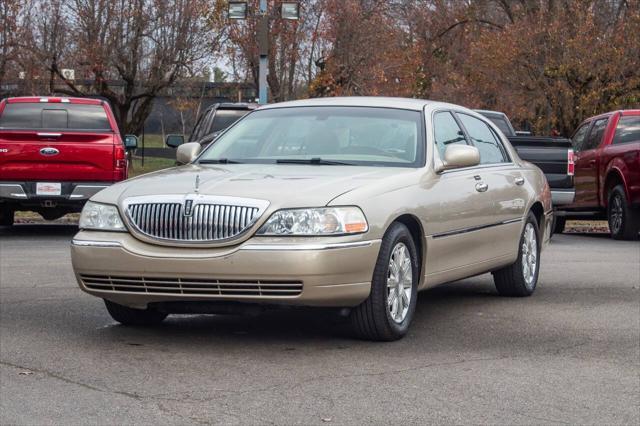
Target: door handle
[(592, 163), (519, 181), (481, 187)]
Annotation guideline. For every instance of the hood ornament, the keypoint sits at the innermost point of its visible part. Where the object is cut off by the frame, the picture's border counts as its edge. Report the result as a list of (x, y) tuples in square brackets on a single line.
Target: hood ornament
[(197, 185)]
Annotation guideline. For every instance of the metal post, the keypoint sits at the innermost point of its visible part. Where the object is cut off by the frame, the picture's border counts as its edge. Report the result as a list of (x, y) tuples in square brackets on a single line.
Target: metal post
[(264, 61)]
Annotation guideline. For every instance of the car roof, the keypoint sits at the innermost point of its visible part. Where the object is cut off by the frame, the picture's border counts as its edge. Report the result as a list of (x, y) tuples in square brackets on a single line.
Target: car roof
[(363, 101), (54, 99)]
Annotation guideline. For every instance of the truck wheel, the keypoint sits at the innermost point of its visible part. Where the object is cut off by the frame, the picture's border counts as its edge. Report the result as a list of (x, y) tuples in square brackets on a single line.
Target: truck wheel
[(130, 316), (7, 216), (624, 222), (559, 224), (520, 278), (389, 309)]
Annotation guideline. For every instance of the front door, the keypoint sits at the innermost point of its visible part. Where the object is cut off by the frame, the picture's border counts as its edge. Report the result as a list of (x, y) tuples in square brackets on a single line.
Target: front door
[(586, 163)]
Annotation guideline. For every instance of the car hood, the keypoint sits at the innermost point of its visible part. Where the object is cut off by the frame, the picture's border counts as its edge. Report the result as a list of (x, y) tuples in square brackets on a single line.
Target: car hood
[(282, 185)]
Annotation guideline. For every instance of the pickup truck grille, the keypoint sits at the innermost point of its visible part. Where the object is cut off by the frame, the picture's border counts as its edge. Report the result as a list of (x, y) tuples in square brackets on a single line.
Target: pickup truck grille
[(198, 219)]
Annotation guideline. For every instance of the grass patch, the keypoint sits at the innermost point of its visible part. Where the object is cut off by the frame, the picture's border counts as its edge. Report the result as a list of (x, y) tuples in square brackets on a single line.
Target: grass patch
[(154, 141), (151, 164)]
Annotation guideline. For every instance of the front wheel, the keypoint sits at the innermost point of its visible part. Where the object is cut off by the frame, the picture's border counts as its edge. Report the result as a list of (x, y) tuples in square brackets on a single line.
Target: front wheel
[(130, 316), (624, 222), (389, 309), (520, 278)]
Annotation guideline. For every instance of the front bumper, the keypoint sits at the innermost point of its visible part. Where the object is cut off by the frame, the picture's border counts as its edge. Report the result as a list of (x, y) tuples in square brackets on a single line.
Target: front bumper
[(561, 197), (311, 272)]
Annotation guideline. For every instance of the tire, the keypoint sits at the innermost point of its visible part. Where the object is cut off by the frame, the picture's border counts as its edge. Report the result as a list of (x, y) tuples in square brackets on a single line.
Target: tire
[(517, 279), (624, 222), (7, 217), (377, 319), (130, 316), (559, 224)]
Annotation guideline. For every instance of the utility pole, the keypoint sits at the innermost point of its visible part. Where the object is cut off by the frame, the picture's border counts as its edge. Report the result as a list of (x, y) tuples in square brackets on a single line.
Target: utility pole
[(263, 43), (239, 10)]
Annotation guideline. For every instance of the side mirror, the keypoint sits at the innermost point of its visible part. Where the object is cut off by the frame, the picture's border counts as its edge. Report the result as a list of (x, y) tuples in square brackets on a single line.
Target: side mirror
[(458, 156), (174, 141), (130, 142), (188, 152)]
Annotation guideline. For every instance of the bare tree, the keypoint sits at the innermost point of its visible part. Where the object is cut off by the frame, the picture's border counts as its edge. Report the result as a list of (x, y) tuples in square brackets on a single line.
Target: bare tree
[(127, 50)]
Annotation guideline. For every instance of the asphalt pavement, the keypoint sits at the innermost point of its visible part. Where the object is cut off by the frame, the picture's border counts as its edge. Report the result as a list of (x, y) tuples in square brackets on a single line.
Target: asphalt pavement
[(568, 354)]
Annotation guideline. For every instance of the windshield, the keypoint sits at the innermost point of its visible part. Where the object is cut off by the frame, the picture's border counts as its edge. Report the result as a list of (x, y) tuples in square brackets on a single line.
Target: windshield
[(323, 135)]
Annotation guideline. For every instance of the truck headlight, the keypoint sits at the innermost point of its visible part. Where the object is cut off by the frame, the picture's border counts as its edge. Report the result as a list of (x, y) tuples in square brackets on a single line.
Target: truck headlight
[(101, 217), (318, 221)]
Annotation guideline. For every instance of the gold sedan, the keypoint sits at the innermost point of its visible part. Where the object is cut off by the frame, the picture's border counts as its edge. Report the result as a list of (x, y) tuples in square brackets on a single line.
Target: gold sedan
[(356, 203)]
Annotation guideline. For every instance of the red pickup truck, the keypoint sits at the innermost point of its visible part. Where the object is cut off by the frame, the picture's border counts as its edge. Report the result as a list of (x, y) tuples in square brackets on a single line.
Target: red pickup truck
[(607, 173), (55, 153)]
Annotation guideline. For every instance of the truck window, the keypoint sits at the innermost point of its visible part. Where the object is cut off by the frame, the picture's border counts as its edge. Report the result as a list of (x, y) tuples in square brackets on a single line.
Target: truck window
[(595, 135), (502, 124), (580, 137), (491, 151), (225, 118), (50, 116), (628, 130)]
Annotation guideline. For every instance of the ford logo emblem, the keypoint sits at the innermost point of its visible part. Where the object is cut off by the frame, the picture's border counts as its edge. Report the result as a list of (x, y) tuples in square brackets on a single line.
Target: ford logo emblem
[(48, 151)]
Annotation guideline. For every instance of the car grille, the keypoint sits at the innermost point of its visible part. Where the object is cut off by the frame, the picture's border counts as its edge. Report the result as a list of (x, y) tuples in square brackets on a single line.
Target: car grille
[(208, 287), (200, 219)]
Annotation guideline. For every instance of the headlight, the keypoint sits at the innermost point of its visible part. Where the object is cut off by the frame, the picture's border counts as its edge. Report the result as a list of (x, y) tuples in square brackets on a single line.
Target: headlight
[(320, 221), (100, 217)]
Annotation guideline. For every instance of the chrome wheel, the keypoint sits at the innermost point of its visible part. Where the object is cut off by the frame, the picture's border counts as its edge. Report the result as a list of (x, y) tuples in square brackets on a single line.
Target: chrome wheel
[(616, 214), (399, 282), (529, 255)]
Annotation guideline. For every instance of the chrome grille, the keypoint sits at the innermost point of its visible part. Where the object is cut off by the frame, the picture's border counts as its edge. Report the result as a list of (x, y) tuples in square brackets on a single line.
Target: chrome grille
[(196, 219), (207, 287)]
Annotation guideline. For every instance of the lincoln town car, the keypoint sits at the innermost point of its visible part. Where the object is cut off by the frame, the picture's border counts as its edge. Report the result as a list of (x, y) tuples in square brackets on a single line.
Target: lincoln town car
[(354, 203)]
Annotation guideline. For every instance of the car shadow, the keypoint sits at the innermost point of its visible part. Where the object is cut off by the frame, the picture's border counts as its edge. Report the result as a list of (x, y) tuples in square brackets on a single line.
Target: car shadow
[(40, 230)]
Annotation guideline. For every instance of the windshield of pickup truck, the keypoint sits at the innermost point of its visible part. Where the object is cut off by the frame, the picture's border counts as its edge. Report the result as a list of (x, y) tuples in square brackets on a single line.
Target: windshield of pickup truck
[(50, 116), (323, 135)]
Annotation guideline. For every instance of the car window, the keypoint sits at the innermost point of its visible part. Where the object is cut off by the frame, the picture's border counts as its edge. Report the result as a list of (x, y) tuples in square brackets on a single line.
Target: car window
[(628, 130), (491, 150), (54, 116), (446, 131), (224, 118), (350, 135), (579, 137), (595, 135), (206, 123), (196, 129)]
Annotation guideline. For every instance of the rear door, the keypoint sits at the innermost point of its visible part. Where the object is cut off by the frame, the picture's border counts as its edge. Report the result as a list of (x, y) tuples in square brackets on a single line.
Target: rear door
[(586, 163), (42, 141)]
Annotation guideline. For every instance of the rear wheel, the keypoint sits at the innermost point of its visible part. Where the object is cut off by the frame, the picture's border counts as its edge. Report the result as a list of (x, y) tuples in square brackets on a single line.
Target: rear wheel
[(520, 278), (7, 216), (388, 311), (624, 222), (130, 316)]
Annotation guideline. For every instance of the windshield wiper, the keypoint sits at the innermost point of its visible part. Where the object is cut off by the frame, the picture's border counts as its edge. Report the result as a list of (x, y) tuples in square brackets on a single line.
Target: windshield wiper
[(220, 161), (315, 160)]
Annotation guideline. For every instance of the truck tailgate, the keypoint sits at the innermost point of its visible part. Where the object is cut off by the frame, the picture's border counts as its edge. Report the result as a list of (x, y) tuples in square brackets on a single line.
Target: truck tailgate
[(56, 156), (549, 154)]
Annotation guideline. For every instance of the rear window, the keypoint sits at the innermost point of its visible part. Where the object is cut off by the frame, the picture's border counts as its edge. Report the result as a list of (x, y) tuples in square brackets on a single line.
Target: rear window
[(628, 130), (502, 125), (53, 116), (225, 118)]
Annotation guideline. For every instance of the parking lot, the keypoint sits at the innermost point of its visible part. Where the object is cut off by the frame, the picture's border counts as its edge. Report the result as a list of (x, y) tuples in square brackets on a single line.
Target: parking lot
[(569, 354)]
